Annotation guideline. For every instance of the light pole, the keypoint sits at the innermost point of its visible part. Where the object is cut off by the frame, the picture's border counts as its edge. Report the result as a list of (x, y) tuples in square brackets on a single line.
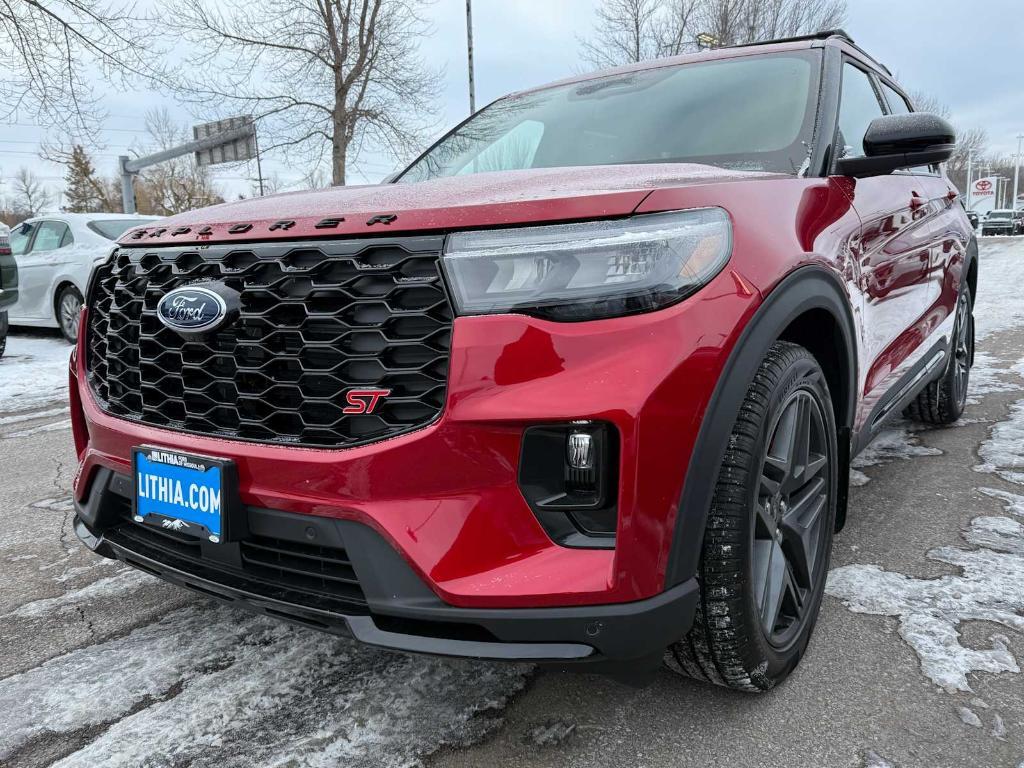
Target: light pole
[(1016, 172), (469, 54), (970, 186)]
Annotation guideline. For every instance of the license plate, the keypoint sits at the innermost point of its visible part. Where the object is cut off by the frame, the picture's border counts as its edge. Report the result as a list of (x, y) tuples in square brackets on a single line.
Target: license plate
[(182, 492)]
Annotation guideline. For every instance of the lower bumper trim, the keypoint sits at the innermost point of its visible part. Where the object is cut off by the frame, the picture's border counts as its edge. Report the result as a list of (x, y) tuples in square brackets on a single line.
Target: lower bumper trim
[(400, 611)]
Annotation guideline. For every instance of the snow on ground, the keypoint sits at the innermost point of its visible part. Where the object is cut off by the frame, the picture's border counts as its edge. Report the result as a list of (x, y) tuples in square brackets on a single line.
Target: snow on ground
[(215, 687), (989, 588), (115, 587), (1000, 278), (33, 372), (894, 442), (1003, 452), (989, 376)]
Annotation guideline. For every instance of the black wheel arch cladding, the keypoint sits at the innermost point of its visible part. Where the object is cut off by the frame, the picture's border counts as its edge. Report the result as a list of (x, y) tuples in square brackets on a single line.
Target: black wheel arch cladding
[(804, 290)]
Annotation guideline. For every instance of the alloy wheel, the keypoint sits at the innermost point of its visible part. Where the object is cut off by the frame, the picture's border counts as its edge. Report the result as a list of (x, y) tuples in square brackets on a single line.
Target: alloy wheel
[(790, 507), (963, 341), (70, 313)]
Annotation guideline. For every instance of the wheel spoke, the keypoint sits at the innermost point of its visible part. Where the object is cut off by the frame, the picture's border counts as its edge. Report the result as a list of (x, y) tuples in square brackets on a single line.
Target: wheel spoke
[(801, 531), (774, 585), (766, 520), (801, 445)]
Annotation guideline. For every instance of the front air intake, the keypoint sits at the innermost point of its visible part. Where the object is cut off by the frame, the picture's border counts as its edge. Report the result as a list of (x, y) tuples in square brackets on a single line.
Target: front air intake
[(317, 321)]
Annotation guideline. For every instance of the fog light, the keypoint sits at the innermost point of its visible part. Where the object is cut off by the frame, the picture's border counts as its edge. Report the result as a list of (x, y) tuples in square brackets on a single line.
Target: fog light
[(581, 450), (568, 475)]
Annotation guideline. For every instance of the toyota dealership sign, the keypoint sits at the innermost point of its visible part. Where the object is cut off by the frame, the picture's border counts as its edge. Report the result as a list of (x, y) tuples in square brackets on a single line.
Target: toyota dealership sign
[(983, 194)]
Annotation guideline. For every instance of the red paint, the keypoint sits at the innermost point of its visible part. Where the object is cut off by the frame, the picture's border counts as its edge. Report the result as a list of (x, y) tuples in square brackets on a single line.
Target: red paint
[(446, 496)]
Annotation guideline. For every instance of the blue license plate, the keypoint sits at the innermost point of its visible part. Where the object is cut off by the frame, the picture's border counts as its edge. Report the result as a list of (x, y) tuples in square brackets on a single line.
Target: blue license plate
[(180, 492)]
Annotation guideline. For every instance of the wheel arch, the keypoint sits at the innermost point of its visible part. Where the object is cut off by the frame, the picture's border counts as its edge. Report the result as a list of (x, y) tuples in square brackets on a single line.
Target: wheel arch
[(971, 267), (793, 311)]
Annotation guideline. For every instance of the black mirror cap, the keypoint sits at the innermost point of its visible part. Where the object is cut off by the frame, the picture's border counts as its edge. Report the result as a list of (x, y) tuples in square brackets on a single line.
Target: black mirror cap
[(892, 142)]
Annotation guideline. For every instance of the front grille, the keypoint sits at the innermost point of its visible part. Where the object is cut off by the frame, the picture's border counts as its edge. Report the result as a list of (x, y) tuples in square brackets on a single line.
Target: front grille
[(317, 319), (301, 574)]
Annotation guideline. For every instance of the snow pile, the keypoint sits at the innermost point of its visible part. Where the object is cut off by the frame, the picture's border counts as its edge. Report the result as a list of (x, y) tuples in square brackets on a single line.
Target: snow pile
[(221, 688), (989, 588), (33, 373)]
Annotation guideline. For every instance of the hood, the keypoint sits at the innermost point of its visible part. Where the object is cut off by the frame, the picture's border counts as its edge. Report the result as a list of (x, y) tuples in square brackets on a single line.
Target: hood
[(455, 202)]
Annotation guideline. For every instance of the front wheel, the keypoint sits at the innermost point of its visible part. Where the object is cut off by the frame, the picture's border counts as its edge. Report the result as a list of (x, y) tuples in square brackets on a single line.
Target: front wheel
[(69, 311), (768, 537)]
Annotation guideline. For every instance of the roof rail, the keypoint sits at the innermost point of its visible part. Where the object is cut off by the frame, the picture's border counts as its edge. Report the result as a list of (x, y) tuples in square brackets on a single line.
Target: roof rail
[(824, 34), (821, 35)]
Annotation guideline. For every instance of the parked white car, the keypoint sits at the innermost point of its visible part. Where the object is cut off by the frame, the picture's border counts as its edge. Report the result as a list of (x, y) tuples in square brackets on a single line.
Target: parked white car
[(56, 255)]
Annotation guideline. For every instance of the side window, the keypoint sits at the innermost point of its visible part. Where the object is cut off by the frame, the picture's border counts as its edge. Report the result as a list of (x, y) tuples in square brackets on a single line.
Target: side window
[(897, 104), (858, 106), (21, 236), (50, 236), (68, 238)]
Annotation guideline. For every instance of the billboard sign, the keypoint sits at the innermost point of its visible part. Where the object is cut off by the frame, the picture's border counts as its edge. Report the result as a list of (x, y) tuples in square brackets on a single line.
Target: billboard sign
[(240, 144)]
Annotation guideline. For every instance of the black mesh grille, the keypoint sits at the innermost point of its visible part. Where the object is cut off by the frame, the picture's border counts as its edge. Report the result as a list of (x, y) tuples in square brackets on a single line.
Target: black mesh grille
[(317, 319)]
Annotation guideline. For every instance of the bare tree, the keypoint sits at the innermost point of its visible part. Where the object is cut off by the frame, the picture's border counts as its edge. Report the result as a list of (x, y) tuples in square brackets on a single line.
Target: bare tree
[(625, 32), (51, 52), (926, 102), (323, 78), (635, 30), (30, 197), (971, 143), (174, 185)]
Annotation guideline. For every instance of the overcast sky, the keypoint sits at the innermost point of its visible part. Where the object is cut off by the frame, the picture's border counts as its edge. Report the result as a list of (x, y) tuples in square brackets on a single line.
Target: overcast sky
[(967, 54)]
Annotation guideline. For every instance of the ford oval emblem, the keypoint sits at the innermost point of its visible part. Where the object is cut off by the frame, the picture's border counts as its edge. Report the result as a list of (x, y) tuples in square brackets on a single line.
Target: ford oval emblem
[(192, 309)]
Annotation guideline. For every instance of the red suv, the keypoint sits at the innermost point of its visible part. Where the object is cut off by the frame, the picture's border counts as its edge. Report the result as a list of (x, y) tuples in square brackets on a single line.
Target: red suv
[(581, 384)]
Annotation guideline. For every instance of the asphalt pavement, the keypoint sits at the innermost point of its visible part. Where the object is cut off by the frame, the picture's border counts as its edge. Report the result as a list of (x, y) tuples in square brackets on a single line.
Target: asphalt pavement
[(915, 661)]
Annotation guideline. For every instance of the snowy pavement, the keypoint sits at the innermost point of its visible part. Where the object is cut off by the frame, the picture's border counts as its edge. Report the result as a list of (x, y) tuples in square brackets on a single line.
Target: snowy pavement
[(916, 660)]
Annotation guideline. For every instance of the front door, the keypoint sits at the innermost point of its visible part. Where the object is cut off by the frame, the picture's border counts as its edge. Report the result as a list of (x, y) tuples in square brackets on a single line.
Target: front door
[(896, 252)]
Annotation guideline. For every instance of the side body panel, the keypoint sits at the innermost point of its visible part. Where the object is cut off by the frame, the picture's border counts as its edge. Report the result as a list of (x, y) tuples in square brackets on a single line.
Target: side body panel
[(910, 257)]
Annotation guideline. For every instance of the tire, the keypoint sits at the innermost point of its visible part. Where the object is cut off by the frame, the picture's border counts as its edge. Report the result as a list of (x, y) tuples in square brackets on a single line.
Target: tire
[(68, 310), (943, 400), (3, 333), (730, 644)]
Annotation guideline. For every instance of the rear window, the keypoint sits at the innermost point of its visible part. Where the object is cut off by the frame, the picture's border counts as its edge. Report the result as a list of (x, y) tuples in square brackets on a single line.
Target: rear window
[(114, 228), (745, 113)]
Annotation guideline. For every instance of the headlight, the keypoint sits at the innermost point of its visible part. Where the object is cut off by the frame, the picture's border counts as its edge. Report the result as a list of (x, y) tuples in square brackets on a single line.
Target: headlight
[(588, 270)]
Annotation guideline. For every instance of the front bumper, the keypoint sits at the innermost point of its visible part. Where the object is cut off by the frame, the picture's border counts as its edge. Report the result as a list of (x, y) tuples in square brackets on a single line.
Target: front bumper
[(447, 497), (389, 605)]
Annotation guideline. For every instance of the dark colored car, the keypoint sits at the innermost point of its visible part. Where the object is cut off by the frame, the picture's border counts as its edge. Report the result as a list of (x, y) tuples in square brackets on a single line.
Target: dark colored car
[(973, 217), (582, 385), (8, 284), (999, 222)]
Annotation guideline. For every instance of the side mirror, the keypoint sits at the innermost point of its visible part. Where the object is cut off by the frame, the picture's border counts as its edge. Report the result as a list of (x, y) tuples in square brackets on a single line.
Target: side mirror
[(901, 141)]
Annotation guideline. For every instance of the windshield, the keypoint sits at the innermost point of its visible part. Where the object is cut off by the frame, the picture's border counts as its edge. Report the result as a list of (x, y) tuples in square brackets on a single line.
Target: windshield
[(114, 228), (745, 113), (999, 215)]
